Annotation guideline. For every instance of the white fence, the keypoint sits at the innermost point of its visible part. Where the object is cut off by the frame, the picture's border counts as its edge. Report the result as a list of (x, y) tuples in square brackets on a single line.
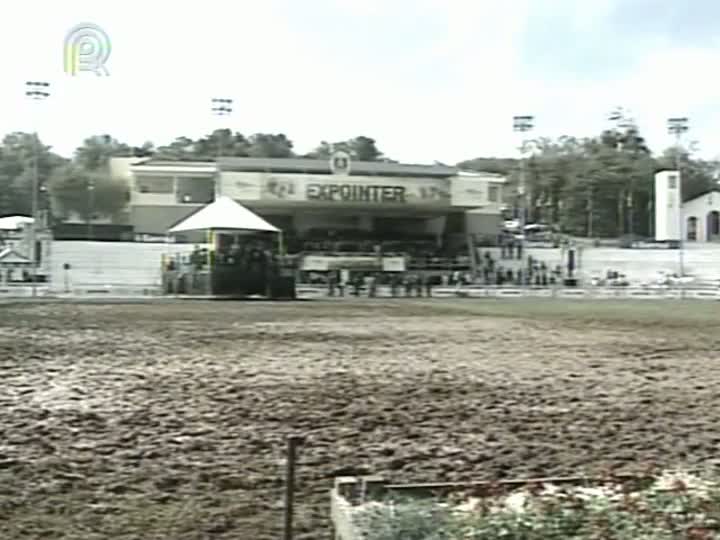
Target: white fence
[(310, 292), (594, 293), (639, 265)]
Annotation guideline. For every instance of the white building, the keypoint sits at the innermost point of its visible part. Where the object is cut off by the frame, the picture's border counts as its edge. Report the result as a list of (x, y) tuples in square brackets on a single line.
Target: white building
[(701, 216), (299, 195), (667, 207)]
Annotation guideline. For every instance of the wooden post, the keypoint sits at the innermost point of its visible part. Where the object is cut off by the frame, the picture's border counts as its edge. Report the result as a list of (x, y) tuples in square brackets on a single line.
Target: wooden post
[(292, 443)]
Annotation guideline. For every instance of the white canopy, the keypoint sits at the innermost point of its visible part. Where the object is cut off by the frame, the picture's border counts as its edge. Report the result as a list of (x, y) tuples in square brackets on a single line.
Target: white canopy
[(13, 223), (223, 214), (9, 256)]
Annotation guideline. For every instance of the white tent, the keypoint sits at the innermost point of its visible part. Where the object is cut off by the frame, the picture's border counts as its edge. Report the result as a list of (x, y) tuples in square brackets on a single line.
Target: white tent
[(9, 256), (13, 223), (224, 214)]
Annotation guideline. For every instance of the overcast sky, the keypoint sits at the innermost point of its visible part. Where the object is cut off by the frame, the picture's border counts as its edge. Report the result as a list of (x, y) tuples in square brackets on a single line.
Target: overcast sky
[(428, 79)]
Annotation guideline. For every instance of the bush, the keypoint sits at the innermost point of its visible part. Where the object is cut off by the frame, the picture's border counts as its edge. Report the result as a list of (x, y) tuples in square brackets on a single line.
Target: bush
[(675, 506)]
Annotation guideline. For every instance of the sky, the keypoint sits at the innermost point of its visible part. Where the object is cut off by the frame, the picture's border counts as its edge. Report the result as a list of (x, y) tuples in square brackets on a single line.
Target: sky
[(430, 80)]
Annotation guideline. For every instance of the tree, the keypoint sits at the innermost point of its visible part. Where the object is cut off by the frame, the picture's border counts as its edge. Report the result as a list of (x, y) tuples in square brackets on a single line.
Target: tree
[(97, 150), (360, 148), (597, 186), (146, 150), (221, 142), (74, 189), (504, 166), (270, 145), (17, 158), (181, 149)]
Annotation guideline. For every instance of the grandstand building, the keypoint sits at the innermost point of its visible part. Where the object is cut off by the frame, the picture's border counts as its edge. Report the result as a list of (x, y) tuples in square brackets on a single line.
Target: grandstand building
[(320, 208)]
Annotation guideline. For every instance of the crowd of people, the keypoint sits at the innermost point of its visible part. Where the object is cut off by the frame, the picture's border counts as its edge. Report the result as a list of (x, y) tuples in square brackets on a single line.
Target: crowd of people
[(249, 257), (407, 284), (532, 272)]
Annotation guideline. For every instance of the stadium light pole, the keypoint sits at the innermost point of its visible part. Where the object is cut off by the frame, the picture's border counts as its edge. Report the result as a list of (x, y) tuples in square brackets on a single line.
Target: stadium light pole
[(677, 126), (91, 207), (222, 107), (522, 125), (621, 122), (36, 91)]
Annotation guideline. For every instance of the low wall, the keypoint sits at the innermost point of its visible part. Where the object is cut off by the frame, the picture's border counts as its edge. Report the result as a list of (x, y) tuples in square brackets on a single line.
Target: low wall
[(638, 265), (311, 292), (594, 293)]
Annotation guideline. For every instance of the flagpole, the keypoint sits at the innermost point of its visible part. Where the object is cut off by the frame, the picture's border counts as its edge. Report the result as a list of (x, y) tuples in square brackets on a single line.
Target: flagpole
[(210, 242), (281, 244)]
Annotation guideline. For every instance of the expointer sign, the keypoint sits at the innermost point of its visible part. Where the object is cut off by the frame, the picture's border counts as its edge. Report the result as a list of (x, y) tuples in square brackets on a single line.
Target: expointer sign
[(353, 193), (326, 190)]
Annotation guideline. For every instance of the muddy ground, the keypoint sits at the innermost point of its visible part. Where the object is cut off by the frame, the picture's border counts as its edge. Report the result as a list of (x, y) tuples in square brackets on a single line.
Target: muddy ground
[(169, 420)]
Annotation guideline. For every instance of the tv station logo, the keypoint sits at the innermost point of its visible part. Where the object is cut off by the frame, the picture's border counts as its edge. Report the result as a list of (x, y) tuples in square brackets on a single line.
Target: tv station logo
[(86, 48)]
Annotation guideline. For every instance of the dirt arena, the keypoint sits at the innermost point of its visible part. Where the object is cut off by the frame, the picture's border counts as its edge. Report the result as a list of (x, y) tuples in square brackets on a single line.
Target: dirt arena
[(168, 421)]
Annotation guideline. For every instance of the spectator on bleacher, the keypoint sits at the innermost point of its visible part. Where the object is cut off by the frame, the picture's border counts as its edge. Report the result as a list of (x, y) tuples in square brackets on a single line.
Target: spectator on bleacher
[(408, 282), (370, 284), (196, 258), (332, 283), (417, 285), (427, 283)]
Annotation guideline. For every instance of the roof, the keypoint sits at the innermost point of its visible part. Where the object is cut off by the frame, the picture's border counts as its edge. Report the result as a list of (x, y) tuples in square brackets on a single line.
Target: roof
[(701, 195), (10, 256), (322, 166), (174, 163), (304, 165), (176, 167), (224, 214), (475, 174), (13, 223)]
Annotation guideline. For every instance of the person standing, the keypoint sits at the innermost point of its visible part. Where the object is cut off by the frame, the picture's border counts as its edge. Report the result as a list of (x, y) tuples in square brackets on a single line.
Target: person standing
[(428, 285), (332, 283), (408, 285)]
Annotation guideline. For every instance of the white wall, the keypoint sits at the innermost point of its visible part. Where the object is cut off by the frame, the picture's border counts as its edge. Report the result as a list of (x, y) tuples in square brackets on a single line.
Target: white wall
[(667, 206), (699, 208), (109, 263), (702, 261)]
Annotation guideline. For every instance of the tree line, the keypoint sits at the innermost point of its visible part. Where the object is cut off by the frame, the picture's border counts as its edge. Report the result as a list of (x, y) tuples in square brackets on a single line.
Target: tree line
[(600, 186)]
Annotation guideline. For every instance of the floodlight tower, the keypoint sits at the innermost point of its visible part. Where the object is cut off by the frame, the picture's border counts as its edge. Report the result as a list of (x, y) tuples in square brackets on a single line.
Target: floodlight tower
[(677, 127), (222, 107), (36, 91), (522, 125)]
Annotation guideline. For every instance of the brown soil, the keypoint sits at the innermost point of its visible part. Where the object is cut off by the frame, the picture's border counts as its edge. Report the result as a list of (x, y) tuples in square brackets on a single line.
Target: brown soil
[(169, 420)]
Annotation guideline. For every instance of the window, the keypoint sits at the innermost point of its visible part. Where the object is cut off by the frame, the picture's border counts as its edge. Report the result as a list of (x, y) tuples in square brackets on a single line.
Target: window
[(692, 226), (154, 184), (672, 181), (493, 193)]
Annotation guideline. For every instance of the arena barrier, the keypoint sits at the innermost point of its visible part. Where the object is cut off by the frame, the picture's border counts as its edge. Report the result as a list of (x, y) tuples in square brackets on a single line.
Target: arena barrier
[(109, 291), (626, 293), (311, 292), (23, 291), (480, 291)]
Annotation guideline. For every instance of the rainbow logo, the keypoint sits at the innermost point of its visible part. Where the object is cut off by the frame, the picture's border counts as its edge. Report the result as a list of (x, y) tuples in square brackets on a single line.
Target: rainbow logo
[(86, 48)]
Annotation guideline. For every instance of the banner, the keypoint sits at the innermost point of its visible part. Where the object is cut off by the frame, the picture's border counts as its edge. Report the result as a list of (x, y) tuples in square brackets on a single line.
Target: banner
[(477, 191), (240, 186), (318, 263), (393, 264), (331, 190)]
